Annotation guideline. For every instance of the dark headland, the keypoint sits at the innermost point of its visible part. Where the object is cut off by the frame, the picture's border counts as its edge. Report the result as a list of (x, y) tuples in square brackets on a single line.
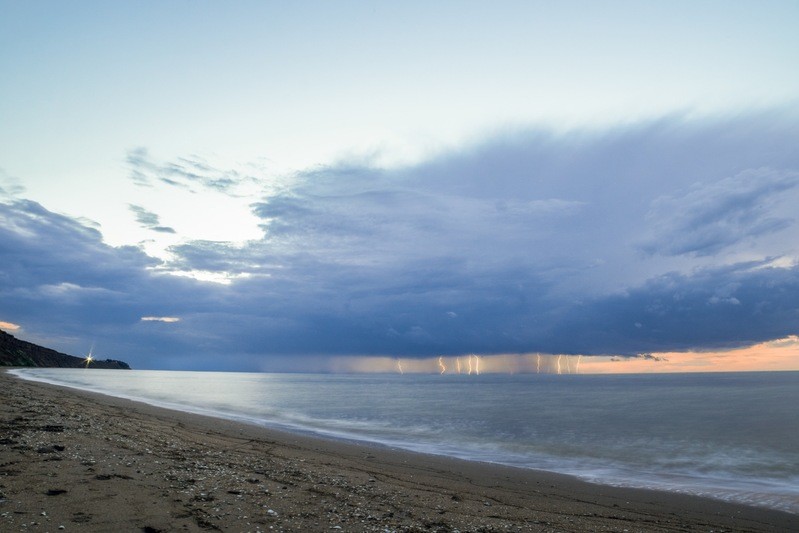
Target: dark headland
[(16, 352)]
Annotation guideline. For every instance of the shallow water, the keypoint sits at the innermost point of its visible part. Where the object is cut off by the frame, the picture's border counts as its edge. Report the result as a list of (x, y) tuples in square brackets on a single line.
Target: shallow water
[(729, 436)]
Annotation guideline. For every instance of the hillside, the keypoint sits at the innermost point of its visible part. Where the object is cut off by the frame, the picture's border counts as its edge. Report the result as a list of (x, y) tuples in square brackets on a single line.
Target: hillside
[(15, 352)]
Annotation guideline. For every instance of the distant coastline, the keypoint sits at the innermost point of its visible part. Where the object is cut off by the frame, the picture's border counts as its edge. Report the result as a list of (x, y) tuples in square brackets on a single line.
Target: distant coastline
[(16, 352)]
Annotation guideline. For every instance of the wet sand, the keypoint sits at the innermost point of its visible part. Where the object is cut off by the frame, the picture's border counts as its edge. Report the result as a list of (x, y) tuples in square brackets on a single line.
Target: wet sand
[(77, 461)]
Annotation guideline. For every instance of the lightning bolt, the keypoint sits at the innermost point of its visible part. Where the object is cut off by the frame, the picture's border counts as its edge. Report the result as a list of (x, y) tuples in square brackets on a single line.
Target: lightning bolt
[(538, 365), (441, 365), (476, 365), (559, 363), (577, 369), (458, 362), (399, 366), (469, 363)]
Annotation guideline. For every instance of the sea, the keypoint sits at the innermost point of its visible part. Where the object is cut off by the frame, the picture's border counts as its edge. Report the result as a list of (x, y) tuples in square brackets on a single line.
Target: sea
[(729, 436)]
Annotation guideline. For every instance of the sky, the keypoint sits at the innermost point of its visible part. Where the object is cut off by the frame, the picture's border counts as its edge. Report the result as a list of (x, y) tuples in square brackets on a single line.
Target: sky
[(306, 186)]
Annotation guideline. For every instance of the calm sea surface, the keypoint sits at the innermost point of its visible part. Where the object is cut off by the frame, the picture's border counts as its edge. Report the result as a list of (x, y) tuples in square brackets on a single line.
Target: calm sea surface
[(728, 436)]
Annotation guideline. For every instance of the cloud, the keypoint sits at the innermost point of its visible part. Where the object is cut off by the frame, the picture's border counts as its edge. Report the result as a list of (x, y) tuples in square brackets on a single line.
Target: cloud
[(167, 319), (9, 185), (187, 172), (650, 357), (9, 326), (519, 233), (149, 220), (69, 288), (645, 238), (40, 247), (721, 307), (709, 217)]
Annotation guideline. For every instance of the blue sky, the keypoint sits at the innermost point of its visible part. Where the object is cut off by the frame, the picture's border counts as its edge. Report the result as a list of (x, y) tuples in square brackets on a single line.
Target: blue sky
[(287, 183)]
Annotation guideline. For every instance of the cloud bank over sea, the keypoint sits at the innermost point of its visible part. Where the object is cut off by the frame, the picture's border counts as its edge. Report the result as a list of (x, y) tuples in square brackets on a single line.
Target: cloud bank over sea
[(669, 234)]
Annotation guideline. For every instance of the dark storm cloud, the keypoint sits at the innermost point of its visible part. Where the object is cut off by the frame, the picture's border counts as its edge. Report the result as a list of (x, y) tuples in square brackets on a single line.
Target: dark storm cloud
[(500, 246), (658, 236), (517, 243), (713, 308), (70, 289), (41, 247)]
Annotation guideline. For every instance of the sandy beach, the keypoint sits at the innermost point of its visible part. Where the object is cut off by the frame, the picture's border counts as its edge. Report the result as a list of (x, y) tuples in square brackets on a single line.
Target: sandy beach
[(77, 461)]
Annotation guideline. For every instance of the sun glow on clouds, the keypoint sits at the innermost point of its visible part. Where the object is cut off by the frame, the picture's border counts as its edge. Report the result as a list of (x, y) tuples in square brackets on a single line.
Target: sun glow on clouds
[(9, 326), (188, 199), (778, 354), (222, 278), (210, 216), (201, 217)]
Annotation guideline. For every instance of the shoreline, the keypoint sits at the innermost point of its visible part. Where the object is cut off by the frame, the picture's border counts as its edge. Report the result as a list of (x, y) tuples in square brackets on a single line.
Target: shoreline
[(92, 462)]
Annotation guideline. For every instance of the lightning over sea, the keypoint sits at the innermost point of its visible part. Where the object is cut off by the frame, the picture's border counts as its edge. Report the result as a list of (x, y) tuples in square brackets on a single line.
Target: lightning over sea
[(730, 436)]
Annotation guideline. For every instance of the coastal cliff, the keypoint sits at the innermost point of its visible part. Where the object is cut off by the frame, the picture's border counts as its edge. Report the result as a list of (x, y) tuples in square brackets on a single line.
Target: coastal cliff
[(15, 352)]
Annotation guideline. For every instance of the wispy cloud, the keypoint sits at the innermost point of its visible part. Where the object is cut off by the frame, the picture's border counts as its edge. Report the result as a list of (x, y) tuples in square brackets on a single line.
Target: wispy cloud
[(9, 185), (709, 217), (188, 173), (149, 220)]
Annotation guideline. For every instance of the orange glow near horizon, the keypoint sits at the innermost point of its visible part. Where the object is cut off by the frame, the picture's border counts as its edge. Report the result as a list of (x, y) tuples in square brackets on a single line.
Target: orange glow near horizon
[(9, 326), (776, 355), (779, 354)]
